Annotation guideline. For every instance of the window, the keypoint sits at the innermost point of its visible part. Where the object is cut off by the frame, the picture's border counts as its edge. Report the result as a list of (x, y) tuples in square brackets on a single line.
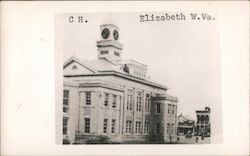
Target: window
[(119, 101), (207, 119), (169, 107), (106, 100), (74, 67), (139, 101), (138, 127), (130, 99), (147, 103), (114, 101), (172, 129), (158, 127), (116, 53), (168, 128), (173, 110), (104, 52), (146, 127), (87, 125), (88, 98), (198, 118), (65, 97), (65, 109), (202, 119), (158, 108), (65, 125), (105, 125), (113, 126), (128, 126)]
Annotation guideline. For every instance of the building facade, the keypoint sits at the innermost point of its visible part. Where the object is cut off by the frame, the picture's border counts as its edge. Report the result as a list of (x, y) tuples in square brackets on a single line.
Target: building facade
[(112, 97), (185, 125), (203, 122)]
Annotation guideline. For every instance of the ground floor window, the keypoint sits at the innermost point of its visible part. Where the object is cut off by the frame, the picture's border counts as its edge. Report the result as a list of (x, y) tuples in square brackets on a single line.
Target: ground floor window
[(105, 125), (168, 128), (172, 129), (87, 125), (113, 126), (158, 108), (128, 126), (65, 125), (146, 127), (158, 127), (138, 127)]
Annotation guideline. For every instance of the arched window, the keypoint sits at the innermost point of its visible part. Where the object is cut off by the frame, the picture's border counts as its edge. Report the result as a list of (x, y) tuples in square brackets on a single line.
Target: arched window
[(74, 67)]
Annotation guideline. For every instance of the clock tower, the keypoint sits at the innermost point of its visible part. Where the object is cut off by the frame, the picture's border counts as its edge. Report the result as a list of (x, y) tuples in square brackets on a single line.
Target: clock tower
[(108, 45)]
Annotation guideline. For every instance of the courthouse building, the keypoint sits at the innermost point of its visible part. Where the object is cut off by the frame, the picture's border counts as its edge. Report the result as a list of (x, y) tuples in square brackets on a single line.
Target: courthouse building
[(114, 98)]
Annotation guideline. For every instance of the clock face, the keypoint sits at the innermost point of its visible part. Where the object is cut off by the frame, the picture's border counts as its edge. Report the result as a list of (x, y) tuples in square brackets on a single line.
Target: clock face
[(115, 34), (105, 33)]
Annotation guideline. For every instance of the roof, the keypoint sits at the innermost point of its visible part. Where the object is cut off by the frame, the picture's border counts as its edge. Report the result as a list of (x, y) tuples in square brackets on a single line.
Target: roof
[(207, 110), (103, 66), (183, 119)]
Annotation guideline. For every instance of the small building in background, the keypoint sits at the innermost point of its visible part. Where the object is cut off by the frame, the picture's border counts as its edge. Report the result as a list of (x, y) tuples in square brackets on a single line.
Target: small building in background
[(203, 122), (185, 125)]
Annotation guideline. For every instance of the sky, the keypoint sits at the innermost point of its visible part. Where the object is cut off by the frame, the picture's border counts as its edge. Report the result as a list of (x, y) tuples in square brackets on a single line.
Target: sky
[(182, 55)]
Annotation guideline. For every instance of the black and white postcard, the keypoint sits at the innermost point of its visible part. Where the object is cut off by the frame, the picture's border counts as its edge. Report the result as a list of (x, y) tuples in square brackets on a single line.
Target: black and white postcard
[(125, 78)]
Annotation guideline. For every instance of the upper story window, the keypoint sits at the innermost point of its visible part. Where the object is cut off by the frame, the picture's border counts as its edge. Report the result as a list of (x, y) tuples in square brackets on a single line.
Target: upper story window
[(198, 118), (66, 97), (202, 119), (207, 119), (158, 108), (88, 98), (147, 103), (106, 99), (114, 101), (139, 101), (173, 109), (116, 53), (169, 107), (130, 99), (104, 52), (65, 109)]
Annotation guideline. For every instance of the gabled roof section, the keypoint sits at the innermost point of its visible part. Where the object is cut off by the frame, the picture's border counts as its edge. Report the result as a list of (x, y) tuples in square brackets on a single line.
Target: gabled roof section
[(74, 59), (102, 67), (182, 119)]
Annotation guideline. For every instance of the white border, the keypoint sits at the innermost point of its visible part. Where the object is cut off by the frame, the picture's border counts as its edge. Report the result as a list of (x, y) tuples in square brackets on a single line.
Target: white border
[(28, 86)]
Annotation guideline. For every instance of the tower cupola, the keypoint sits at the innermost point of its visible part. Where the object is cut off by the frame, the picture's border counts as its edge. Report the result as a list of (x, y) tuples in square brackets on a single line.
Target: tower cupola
[(108, 44)]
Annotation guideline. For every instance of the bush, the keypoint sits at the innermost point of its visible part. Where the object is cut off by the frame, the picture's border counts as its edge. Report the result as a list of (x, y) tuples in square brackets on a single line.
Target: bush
[(66, 141), (98, 140)]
